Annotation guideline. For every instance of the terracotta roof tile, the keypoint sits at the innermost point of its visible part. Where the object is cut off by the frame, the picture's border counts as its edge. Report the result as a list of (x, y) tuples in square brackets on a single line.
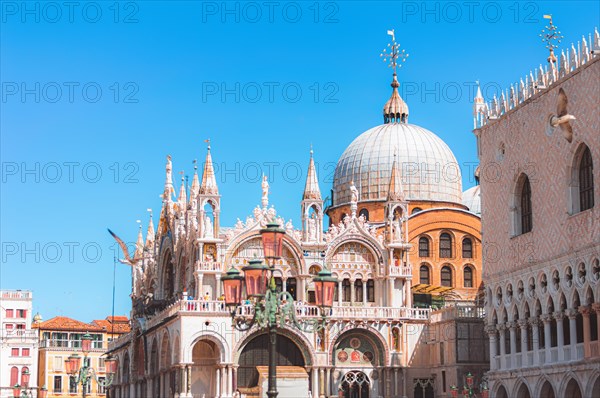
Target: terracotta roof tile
[(67, 324)]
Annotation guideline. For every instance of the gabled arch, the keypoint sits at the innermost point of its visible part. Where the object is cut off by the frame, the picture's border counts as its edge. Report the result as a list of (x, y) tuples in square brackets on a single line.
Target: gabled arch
[(520, 205), (571, 387), (522, 390)]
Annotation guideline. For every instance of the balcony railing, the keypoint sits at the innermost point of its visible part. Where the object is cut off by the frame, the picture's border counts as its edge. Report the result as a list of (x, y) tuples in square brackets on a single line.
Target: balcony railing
[(202, 307), (15, 294), (72, 344), (400, 271), (19, 334), (209, 266)]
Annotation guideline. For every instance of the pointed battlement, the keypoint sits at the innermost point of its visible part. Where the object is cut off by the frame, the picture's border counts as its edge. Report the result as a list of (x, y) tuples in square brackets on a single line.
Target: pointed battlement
[(536, 82)]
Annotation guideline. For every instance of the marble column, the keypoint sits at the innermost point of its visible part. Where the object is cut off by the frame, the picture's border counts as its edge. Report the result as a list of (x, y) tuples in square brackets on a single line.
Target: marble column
[(395, 387), (572, 314), (352, 291), (558, 316), (284, 284), (328, 382), (512, 330), (230, 390), (315, 383), (502, 336), (321, 381), (524, 358), (546, 318), (218, 382), (587, 331), (218, 287), (364, 289), (340, 293), (535, 323), (492, 332)]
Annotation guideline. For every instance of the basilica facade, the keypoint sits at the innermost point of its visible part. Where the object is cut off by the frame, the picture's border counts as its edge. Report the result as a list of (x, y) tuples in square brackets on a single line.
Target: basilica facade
[(539, 147), (405, 250)]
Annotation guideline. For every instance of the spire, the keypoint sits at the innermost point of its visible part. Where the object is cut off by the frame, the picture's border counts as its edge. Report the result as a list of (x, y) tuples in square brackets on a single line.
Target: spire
[(139, 245), (311, 189), (209, 182), (150, 232), (395, 109), (195, 182), (395, 192), (168, 180), (182, 194)]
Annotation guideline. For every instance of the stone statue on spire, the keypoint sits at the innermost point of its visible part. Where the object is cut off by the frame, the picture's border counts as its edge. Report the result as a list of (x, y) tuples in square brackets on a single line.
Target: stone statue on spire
[(265, 192)]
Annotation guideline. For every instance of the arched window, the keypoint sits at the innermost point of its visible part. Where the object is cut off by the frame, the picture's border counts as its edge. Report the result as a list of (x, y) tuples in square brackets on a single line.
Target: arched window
[(346, 290), (25, 368), (291, 287), (445, 245), (468, 276), (358, 291), (424, 275), (586, 181), (371, 291), (446, 276), (364, 213), (423, 247), (525, 207), (467, 248), (416, 210), (14, 376)]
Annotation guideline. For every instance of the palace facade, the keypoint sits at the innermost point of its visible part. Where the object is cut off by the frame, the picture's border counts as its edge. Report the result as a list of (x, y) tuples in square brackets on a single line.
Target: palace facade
[(406, 251), (539, 148)]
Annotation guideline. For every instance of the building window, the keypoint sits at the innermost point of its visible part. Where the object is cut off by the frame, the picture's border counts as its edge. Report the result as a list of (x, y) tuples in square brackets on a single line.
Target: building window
[(25, 352), (21, 313), (358, 291), (72, 385), (58, 364), (371, 291), (14, 352), (467, 248), (10, 313), (24, 369), (57, 384), (416, 210), (445, 245), (442, 357), (14, 375), (101, 388), (346, 290), (364, 213), (526, 210), (424, 275), (468, 276), (586, 181), (423, 247), (446, 276)]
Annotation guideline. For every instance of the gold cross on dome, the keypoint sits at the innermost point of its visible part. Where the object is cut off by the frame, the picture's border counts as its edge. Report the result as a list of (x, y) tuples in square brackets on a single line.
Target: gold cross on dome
[(395, 56)]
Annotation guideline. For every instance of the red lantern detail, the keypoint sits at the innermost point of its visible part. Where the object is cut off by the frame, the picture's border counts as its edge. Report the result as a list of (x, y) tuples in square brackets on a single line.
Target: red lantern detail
[(255, 275), (454, 392), (325, 288), (469, 380), (43, 392), (16, 391), (232, 287), (272, 239), (86, 343), (72, 364)]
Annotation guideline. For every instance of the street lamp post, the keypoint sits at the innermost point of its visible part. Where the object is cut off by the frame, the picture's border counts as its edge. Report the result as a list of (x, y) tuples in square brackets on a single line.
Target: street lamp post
[(467, 391), (84, 374), (24, 391), (270, 307)]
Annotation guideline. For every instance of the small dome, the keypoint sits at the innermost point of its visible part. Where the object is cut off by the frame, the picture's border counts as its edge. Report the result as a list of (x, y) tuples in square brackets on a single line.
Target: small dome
[(472, 199), (395, 109), (37, 318), (428, 166)]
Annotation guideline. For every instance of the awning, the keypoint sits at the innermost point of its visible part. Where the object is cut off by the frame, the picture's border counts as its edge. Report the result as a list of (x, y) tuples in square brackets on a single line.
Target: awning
[(431, 289)]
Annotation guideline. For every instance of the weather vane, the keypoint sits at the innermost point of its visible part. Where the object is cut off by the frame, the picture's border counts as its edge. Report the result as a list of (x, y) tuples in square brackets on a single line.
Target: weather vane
[(395, 56), (552, 37)]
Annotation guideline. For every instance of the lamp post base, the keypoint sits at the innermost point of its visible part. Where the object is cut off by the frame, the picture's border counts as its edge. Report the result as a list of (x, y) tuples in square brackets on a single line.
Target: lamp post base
[(272, 393)]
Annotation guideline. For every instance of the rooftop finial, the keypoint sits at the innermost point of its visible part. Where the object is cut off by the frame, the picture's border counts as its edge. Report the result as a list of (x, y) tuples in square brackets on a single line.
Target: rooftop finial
[(395, 109), (207, 143), (552, 37)]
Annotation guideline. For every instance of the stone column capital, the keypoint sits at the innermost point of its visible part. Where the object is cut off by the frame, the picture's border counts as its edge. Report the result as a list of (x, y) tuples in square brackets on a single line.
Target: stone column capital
[(596, 307), (490, 329), (511, 325), (522, 323), (585, 310), (558, 315), (534, 321), (571, 313), (546, 318)]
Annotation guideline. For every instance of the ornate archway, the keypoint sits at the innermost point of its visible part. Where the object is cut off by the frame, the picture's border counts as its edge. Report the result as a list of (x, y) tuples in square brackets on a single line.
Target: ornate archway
[(355, 384), (206, 358), (255, 353)]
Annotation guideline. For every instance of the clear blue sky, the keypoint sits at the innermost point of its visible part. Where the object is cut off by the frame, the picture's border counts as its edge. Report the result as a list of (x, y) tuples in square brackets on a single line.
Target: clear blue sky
[(94, 97)]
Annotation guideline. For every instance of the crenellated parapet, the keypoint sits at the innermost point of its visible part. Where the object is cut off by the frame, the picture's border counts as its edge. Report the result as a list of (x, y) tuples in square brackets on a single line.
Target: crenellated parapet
[(537, 81)]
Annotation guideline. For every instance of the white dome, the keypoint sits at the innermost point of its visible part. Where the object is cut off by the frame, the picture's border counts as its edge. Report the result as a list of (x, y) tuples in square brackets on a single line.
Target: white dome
[(472, 199), (428, 166)]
